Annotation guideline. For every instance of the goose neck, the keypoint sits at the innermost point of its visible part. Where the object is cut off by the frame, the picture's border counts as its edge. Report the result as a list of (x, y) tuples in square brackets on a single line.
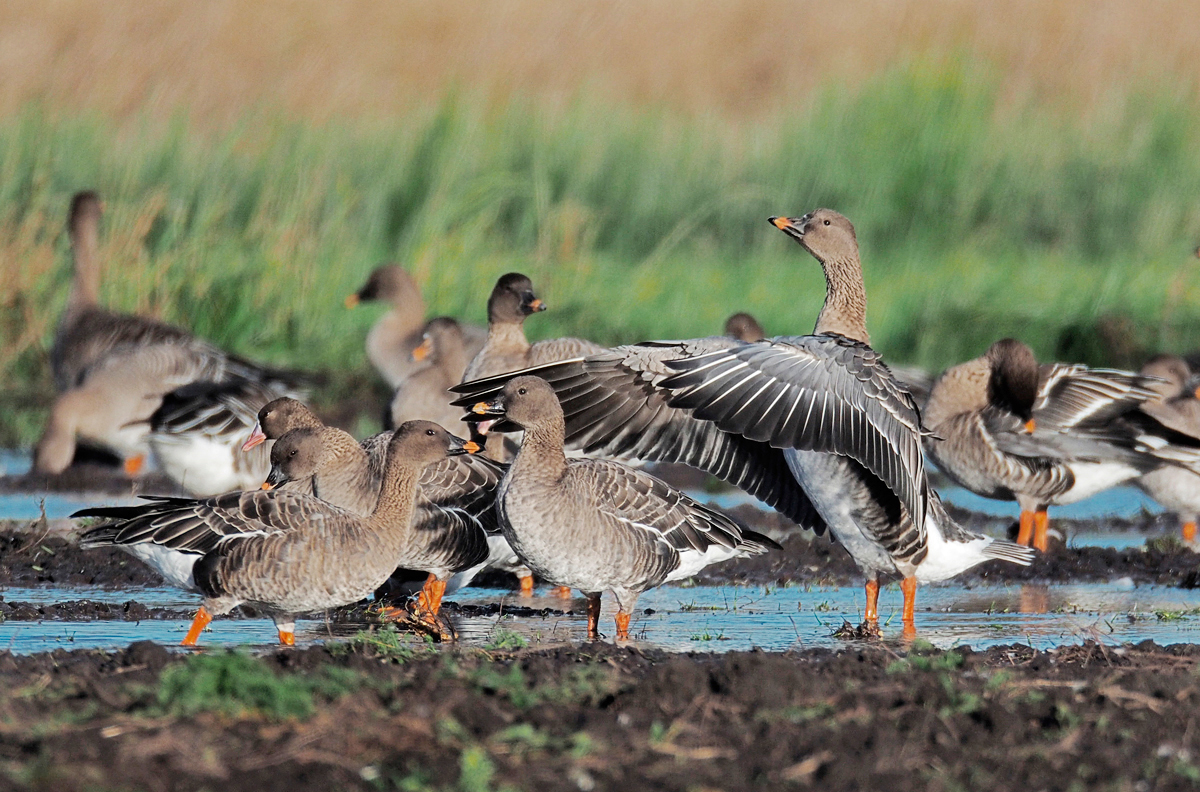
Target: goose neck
[(845, 309)]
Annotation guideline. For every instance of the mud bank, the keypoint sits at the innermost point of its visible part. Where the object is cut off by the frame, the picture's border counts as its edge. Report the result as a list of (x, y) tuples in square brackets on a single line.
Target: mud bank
[(375, 715)]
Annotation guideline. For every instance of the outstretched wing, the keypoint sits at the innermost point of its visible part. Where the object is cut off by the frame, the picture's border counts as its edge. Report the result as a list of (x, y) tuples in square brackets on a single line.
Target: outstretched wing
[(614, 407)]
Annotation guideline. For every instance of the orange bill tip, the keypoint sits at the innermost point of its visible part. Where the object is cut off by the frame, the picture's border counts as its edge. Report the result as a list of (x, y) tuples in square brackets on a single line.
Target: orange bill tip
[(1196, 392), (266, 485), (537, 305), (780, 222), (422, 350), (352, 301), (134, 464), (480, 408), (1030, 425), (471, 447)]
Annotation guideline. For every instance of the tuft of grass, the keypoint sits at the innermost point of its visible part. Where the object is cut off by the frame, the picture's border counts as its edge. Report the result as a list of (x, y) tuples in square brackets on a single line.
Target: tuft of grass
[(385, 643), (235, 684), (506, 640)]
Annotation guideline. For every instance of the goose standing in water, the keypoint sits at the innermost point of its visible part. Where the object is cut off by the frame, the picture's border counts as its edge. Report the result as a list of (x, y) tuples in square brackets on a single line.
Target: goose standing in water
[(1177, 406), (283, 552), (391, 341), (1008, 429), (815, 426), (598, 525), (113, 369), (453, 492)]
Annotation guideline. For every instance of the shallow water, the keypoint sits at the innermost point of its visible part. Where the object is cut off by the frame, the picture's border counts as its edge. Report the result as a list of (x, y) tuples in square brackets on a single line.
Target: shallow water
[(700, 618)]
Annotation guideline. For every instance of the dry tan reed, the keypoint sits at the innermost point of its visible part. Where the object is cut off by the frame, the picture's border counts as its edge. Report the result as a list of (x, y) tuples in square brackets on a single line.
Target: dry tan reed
[(322, 60)]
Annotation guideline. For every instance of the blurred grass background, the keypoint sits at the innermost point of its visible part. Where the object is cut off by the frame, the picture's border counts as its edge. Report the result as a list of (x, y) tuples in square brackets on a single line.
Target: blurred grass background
[(1036, 179)]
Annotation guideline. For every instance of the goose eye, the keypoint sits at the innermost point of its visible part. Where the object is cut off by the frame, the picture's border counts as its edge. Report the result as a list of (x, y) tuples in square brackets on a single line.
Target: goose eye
[(292, 453), (521, 391), (430, 432), (826, 222)]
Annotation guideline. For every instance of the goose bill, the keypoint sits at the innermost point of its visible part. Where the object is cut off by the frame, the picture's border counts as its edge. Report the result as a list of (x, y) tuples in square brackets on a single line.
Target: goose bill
[(275, 478), (256, 438), (422, 351), (792, 226), (459, 446), (352, 300)]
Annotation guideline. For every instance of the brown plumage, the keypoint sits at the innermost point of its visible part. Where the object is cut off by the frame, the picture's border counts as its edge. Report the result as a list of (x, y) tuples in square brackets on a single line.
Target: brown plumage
[(283, 552), (1176, 406)]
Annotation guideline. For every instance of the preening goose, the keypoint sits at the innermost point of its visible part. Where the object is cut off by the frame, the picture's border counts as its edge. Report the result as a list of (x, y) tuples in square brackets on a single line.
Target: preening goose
[(597, 525), (815, 426), (113, 369), (283, 552), (1008, 429), (454, 491), (1177, 406), (392, 339)]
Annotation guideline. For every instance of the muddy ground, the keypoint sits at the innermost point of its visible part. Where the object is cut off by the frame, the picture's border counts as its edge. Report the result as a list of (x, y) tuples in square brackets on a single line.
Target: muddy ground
[(381, 715), (34, 554)]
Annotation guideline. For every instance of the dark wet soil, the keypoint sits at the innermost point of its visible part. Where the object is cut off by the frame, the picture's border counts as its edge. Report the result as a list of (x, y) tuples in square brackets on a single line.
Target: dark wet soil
[(87, 610), (601, 717), (30, 555)]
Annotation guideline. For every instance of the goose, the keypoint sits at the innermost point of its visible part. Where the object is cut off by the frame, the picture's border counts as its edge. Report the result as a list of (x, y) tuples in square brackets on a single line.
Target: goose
[(112, 370), (458, 489), (444, 540), (283, 552), (1041, 436), (391, 341), (597, 525), (423, 395), (815, 426), (1176, 405), (197, 432), (506, 348), (744, 327)]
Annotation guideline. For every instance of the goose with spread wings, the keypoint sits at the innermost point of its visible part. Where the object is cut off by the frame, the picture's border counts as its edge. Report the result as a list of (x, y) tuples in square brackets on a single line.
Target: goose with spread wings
[(816, 426)]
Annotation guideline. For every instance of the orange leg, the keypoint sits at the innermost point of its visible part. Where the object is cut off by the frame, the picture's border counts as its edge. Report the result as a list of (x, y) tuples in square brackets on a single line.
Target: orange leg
[(909, 587), (134, 464), (203, 617), (872, 614), (430, 598), (593, 613), (1041, 523), (622, 626), (1025, 535), (287, 638), (526, 585), (1189, 532), (561, 591)]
